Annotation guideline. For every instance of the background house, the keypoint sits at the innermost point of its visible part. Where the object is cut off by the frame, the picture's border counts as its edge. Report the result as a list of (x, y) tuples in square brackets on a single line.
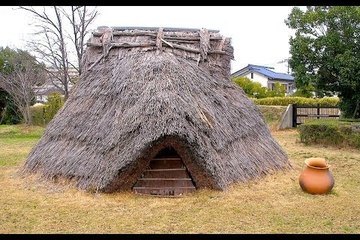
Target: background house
[(53, 85), (42, 92), (266, 77)]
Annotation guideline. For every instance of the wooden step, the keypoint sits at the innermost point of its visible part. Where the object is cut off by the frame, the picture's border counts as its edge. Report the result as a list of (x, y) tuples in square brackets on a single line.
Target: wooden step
[(166, 158), (164, 182), (166, 173), (163, 191), (166, 164), (167, 176)]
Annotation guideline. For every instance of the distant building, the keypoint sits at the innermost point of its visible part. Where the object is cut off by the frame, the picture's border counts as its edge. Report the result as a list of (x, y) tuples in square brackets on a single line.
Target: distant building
[(266, 77), (43, 91)]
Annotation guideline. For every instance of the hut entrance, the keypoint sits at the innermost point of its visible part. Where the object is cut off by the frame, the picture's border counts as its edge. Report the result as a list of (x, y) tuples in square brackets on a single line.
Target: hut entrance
[(166, 175)]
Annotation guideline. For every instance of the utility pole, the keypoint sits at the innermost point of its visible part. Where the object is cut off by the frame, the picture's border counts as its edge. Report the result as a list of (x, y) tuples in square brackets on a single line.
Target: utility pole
[(286, 60)]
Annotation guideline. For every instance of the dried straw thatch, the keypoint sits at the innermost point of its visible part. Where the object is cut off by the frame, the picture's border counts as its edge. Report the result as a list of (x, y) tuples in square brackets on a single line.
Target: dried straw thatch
[(146, 88)]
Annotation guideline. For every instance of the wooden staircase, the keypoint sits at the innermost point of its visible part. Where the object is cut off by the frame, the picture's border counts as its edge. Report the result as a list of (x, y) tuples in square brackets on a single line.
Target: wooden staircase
[(166, 176)]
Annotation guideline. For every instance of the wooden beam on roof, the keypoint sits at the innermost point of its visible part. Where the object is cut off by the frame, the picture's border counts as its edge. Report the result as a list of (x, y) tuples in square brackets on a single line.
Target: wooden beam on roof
[(165, 29), (119, 33), (151, 44), (144, 33), (123, 44)]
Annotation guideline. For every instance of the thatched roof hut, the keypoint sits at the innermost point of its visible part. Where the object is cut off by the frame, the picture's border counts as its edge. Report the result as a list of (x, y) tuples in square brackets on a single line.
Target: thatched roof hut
[(155, 111)]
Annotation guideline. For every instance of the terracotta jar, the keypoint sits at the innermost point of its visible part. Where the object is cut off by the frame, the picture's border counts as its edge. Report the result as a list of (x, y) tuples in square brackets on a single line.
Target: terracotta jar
[(316, 177)]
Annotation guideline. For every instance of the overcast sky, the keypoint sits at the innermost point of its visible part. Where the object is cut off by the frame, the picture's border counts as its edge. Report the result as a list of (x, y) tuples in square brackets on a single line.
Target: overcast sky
[(259, 34)]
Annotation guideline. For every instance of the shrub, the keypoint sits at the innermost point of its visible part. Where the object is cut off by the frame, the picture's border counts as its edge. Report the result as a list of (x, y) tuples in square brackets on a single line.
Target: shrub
[(37, 114), (9, 112), (330, 132), (255, 90), (350, 120), (278, 91), (55, 102), (10, 115), (42, 114), (252, 89)]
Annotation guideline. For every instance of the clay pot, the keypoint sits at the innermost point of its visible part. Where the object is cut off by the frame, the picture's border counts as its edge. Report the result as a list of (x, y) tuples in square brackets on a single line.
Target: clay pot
[(316, 177)]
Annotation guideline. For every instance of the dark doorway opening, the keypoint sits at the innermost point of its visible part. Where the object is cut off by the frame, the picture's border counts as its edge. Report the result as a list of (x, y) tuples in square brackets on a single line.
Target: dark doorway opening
[(166, 175)]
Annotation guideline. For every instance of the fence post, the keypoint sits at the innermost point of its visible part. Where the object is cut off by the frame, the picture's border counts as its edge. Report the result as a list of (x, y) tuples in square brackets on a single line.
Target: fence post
[(318, 111), (294, 115)]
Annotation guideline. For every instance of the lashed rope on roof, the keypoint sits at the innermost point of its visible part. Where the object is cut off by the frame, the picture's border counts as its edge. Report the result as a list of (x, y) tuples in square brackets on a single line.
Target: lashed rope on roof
[(190, 44)]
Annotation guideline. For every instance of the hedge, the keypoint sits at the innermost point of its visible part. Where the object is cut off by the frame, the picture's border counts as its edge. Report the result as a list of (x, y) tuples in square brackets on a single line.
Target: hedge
[(330, 132), (284, 101)]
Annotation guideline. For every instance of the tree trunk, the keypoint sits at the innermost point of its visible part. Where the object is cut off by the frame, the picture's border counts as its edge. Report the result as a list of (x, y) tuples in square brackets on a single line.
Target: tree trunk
[(66, 95), (2, 116), (356, 109), (25, 111), (28, 113), (66, 92)]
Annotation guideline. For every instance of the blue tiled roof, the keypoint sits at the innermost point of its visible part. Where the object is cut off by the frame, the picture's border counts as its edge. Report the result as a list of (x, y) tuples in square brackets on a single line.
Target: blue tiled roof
[(264, 71)]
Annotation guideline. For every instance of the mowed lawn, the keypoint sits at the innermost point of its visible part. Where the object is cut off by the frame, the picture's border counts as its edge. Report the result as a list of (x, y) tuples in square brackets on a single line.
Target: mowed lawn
[(273, 204)]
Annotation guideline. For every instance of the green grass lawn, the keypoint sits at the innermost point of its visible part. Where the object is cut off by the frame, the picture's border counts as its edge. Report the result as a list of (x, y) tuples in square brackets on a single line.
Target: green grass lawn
[(273, 204), (16, 142)]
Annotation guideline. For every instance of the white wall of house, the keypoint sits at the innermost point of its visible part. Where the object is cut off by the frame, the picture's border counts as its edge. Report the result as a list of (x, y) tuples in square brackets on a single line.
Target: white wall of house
[(258, 78), (41, 98), (265, 82)]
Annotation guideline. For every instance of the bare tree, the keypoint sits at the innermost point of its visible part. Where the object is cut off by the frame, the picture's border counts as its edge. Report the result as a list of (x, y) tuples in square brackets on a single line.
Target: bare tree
[(23, 72), (51, 42), (80, 18)]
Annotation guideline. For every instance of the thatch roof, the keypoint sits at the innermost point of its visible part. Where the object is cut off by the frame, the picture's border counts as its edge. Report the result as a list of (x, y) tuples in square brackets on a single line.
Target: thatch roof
[(144, 89)]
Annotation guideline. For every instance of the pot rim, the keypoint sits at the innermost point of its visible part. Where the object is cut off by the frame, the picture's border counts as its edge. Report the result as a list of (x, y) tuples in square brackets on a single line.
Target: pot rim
[(321, 168)]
